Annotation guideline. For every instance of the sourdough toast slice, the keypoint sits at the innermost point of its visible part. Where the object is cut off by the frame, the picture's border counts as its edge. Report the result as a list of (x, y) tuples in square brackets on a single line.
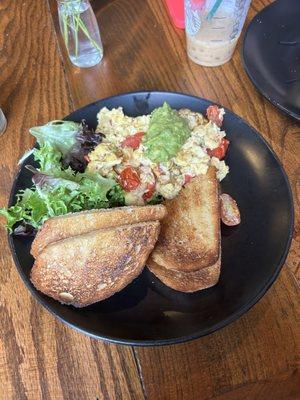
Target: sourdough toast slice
[(74, 224), (187, 281), (190, 233), (87, 268)]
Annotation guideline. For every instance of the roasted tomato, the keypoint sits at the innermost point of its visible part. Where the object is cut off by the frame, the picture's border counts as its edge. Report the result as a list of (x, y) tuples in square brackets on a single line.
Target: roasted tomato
[(129, 179), (149, 192), (219, 152), (214, 114), (230, 213), (133, 141), (187, 178)]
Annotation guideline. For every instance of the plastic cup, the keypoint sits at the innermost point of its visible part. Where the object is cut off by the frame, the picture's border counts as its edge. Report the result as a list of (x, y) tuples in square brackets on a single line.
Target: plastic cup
[(213, 28)]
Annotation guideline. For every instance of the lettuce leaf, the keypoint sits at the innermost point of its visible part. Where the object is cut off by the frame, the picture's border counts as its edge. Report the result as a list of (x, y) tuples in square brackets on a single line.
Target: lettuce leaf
[(59, 190), (54, 196), (116, 196), (86, 141), (61, 135), (29, 208), (47, 157), (156, 199), (73, 141)]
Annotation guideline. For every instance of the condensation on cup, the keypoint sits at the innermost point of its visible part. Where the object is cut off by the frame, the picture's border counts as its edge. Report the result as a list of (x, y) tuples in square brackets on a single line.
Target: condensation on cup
[(213, 28)]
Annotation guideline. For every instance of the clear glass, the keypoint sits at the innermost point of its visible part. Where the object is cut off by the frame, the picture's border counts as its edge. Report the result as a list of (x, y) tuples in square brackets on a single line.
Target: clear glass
[(80, 32), (213, 28), (3, 122)]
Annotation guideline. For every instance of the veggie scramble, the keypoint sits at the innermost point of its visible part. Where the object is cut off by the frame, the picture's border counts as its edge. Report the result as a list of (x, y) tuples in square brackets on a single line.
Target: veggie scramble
[(127, 161), (158, 154)]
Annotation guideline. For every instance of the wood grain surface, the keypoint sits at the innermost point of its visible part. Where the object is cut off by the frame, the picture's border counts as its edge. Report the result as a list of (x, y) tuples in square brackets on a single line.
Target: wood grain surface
[(39, 357), (255, 358)]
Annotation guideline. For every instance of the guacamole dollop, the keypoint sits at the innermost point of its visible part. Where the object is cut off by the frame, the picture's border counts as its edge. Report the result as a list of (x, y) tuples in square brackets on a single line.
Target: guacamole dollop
[(166, 134)]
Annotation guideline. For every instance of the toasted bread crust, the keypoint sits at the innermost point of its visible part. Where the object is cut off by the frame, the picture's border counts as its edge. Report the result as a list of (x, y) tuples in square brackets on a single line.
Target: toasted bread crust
[(190, 233), (74, 224), (85, 269), (187, 281)]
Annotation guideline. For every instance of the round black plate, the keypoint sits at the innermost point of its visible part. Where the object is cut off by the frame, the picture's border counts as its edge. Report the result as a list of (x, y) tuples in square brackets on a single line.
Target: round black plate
[(149, 313), (271, 53)]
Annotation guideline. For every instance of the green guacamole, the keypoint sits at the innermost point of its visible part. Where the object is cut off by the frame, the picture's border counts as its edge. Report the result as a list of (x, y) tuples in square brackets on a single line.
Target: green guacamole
[(166, 134)]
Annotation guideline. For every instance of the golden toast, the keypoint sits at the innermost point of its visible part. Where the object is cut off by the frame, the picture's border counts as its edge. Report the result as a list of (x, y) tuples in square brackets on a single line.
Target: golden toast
[(69, 225), (187, 281), (190, 233), (85, 269)]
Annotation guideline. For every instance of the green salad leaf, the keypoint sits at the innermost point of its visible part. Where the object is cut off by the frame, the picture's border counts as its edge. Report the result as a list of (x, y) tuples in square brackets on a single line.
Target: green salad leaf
[(156, 199), (29, 208), (61, 135), (116, 196), (47, 157), (54, 195), (59, 190)]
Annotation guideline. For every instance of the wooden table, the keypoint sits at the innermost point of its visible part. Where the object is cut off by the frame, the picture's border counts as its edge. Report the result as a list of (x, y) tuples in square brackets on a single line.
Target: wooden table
[(254, 358)]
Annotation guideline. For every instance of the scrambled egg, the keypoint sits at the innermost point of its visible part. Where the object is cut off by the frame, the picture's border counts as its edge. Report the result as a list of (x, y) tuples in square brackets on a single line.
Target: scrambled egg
[(104, 158), (115, 125), (110, 156)]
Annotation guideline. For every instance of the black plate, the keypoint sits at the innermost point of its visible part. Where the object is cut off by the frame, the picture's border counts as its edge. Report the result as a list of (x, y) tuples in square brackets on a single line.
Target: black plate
[(149, 313), (271, 54)]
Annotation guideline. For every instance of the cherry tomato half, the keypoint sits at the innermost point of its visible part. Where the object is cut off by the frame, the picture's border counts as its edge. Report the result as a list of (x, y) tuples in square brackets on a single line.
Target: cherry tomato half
[(187, 178), (149, 192), (219, 152), (129, 179), (214, 114), (133, 141)]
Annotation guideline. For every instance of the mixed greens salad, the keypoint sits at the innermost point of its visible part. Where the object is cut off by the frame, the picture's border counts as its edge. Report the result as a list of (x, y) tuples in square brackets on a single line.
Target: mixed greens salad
[(60, 184), (127, 161)]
